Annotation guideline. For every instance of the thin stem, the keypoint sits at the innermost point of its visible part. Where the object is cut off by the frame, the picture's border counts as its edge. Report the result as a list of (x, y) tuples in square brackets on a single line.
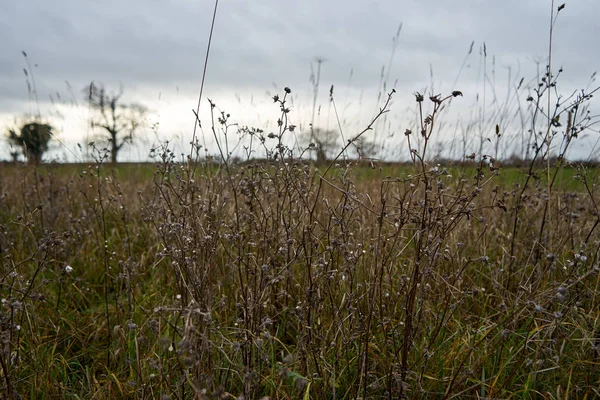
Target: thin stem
[(212, 26)]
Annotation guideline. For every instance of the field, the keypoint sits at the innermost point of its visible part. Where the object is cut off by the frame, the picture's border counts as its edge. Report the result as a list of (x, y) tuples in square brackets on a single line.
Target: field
[(282, 280)]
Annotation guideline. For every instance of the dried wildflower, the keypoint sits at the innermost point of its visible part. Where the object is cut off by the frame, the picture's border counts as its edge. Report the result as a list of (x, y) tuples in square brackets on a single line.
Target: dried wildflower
[(419, 97), (538, 308), (529, 362), (558, 315), (301, 382), (131, 325), (436, 99), (188, 362), (287, 90)]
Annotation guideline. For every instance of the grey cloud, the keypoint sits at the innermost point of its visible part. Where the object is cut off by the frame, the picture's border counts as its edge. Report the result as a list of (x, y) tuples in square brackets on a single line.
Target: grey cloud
[(159, 45)]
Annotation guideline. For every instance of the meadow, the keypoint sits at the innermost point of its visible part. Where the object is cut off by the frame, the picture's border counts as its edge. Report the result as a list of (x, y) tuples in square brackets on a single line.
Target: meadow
[(272, 276), (281, 279)]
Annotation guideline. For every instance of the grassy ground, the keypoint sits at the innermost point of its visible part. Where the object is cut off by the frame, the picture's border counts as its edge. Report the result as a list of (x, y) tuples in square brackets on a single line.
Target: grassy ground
[(161, 281)]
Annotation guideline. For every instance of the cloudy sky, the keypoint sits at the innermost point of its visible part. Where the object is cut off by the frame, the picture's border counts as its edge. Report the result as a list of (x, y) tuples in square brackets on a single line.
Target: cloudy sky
[(155, 51)]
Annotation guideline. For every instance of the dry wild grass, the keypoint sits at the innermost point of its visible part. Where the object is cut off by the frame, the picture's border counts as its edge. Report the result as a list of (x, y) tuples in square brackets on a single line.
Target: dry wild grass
[(279, 279)]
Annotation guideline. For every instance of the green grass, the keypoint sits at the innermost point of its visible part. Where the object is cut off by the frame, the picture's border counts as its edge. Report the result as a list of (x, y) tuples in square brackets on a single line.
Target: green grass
[(273, 282)]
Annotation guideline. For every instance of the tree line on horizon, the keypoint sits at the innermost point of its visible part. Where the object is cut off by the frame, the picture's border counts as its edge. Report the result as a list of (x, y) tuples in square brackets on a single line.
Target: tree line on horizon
[(118, 123)]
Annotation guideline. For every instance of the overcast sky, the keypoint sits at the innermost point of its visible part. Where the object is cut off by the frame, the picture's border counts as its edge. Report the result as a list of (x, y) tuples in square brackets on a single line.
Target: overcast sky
[(155, 50)]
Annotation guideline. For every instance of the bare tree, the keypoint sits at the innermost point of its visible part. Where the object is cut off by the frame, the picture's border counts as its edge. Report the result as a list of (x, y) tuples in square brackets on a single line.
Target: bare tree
[(119, 122), (366, 149), (323, 143)]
